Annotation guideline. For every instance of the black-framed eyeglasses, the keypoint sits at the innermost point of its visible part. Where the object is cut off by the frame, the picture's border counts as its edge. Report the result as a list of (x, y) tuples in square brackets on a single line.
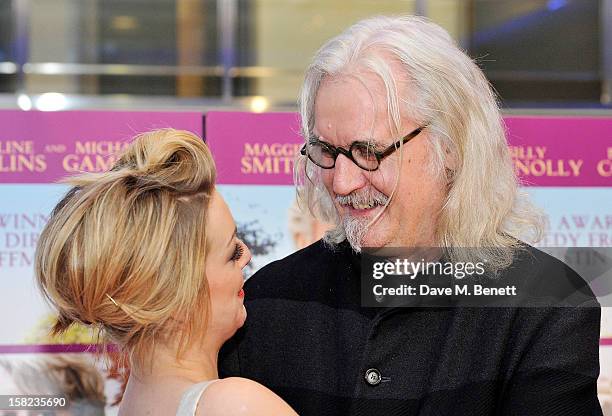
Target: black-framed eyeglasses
[(362, 153)]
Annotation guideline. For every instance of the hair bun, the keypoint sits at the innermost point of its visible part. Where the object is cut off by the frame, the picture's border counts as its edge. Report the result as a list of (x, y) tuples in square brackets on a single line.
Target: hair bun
[(125, 250), (170, 159)]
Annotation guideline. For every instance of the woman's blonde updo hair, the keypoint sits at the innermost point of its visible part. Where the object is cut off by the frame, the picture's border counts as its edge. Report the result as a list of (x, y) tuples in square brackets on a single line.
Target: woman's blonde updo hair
[(125, 250)]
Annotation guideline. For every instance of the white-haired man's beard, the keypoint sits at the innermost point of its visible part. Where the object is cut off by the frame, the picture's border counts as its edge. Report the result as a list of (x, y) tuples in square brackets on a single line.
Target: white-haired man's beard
[(356, 228)]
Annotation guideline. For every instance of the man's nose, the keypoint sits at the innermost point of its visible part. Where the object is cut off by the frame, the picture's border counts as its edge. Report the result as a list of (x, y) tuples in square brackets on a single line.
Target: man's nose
[(348, 177)]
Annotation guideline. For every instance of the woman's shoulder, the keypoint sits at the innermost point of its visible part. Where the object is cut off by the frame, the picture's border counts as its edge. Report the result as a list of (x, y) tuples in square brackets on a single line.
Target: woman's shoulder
[(240, 396)]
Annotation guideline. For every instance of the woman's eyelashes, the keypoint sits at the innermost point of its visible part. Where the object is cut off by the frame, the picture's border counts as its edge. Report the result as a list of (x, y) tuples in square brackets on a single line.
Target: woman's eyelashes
[(238, 251)]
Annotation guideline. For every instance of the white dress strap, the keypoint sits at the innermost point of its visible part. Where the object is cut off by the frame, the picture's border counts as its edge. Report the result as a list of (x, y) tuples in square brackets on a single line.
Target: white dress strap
[(191, 398)]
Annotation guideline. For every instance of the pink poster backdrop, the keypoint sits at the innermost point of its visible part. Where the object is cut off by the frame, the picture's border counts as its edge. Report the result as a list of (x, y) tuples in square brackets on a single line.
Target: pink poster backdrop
[(256, 149), (561, 151), (547, 151), (43, 147)]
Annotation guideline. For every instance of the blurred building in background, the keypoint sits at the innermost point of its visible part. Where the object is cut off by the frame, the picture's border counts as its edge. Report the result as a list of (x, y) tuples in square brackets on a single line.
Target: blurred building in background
[(251, 54)]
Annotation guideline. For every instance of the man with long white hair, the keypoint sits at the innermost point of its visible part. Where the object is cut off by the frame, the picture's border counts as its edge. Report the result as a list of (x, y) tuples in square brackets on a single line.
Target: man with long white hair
[(405, 147)]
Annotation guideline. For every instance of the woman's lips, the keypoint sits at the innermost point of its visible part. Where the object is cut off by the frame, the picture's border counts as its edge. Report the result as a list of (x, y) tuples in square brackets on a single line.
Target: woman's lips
[(241, 293)]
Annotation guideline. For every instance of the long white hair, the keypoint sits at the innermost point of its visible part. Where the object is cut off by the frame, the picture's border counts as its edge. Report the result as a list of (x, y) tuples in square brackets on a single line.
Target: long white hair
[(484, 207)]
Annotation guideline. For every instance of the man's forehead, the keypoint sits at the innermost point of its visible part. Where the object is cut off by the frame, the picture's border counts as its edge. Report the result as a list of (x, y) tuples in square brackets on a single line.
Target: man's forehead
[(355, 106), (349, 108)]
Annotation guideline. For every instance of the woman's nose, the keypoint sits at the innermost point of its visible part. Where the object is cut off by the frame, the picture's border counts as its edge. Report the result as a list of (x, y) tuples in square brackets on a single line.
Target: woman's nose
[(247, 256)]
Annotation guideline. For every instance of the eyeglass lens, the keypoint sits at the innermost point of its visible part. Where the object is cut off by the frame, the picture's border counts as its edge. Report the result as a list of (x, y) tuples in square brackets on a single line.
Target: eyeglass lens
[(324, 156)]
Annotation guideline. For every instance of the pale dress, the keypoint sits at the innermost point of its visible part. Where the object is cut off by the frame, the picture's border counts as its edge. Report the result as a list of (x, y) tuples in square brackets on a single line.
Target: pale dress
[(191, 397)]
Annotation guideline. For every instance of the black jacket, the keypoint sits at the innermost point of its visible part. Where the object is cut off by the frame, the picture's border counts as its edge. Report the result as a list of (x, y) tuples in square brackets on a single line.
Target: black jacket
[(308, 339)]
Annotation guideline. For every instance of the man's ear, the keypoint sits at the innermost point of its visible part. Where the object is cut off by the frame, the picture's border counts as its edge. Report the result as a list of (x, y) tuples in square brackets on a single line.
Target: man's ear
[(450, 178), (450, 164)]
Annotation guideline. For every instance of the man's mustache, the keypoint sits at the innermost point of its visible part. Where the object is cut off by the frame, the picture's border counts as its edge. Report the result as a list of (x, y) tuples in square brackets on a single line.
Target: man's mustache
[(371, 197)]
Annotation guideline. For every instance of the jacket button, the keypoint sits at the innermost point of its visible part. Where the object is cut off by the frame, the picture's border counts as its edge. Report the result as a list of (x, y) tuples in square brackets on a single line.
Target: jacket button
[(372, 377)]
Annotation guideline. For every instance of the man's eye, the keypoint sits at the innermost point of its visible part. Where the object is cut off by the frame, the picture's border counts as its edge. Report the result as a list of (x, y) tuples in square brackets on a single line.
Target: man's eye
[(365, 151), (325, 150), (238, 251)]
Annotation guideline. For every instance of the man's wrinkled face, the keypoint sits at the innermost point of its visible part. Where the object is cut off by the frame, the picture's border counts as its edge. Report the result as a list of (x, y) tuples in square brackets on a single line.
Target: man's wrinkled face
[(347, 109)]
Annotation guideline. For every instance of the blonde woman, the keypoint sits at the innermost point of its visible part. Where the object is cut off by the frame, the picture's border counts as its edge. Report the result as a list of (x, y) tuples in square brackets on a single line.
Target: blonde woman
[(148, 253)]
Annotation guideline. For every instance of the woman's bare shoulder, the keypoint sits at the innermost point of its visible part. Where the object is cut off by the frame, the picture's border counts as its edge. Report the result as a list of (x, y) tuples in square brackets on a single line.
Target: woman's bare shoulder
[(241, 396)]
